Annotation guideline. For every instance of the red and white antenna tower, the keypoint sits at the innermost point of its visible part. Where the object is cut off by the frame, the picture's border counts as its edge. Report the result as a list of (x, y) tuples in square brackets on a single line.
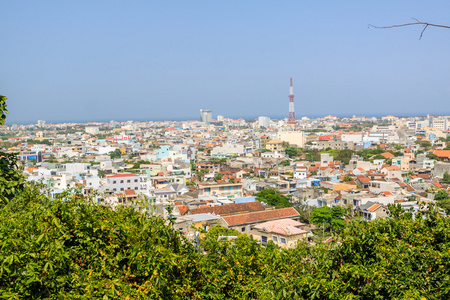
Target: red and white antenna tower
[(291, 119)]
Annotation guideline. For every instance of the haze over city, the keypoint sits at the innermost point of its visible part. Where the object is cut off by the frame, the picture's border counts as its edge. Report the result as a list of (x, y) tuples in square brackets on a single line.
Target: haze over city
[(165, 60)]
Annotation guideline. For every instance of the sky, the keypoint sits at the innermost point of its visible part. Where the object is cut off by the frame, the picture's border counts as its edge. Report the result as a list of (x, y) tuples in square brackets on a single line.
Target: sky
[(102, 60)]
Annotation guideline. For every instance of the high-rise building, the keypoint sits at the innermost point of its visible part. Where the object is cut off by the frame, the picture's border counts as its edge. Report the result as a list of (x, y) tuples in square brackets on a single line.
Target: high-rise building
[(440, 123), (205, 115), (264, 122), (296, 138), (41, 123)]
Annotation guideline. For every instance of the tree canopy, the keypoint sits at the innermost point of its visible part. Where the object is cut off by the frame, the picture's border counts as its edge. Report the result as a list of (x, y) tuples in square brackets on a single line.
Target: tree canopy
[(292, 151), (446, 178), (328, 217), (115, 154), (273, 197)]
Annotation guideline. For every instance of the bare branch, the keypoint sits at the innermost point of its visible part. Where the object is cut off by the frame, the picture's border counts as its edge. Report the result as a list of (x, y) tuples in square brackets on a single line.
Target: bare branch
[(425, 24), (425, 27)]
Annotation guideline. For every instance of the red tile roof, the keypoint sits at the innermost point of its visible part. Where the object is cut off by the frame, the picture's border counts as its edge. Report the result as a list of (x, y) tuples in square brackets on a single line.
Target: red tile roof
[(261, 216), (393, 168), (373, 207), (437, 184), (442, 153), (130, 192), (229, 209), (387, 154), (364, 179), (409, 188), (183, 209)]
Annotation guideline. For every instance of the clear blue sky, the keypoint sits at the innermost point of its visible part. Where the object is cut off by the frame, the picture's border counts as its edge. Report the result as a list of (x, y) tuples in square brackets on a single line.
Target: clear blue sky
[(160, 60)]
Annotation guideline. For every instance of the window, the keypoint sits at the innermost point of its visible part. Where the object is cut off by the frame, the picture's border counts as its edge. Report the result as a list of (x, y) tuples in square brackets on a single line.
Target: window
[(121, 181), (114, 182), (283, 240), (121, 189), (243, 229), (264, 240), (135, 180), (275, 238), (136, 188), (128, 181), (114, 189)]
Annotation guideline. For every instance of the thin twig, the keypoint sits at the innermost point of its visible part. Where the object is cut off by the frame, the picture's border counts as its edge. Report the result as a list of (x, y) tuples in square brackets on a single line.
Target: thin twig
[(426, 24)]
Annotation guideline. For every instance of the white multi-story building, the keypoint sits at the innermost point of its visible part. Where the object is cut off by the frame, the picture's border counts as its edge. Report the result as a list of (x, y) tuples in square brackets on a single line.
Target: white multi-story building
[(230, 149), (301, 173), (440, 124), (122, 182), (92, 129), (264, 122)]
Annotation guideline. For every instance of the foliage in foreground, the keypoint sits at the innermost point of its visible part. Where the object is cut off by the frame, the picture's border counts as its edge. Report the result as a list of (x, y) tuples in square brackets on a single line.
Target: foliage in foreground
[(69, 248)]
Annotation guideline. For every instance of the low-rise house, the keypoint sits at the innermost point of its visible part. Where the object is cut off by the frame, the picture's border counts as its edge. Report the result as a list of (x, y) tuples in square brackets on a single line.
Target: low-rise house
[(186, 223), (230, 190), (363, 182), (274, 145), (337, 186), (244, 222), (285, 233), (377, 187), (371, 210), (443, 155)]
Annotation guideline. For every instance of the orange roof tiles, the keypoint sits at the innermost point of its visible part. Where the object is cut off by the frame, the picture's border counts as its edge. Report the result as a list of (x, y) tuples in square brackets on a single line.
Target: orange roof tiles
[(387, 155), (229, 209), (183, 209), (364, 179), (409, 188), (130, 192), (261, 216), (373, 207), (437, 184), (442, 153)]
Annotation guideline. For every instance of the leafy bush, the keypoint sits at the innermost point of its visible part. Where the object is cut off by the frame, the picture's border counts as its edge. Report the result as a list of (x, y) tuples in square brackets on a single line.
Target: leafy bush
[(70, 248)]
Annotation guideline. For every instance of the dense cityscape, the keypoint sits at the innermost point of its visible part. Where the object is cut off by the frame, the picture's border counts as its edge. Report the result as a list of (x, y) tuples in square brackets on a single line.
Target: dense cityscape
[(282, 184), (203, 167), (224, 150)]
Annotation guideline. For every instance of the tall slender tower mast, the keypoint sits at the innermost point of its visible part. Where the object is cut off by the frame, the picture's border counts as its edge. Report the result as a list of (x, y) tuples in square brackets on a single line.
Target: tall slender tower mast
[(291, 119)]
